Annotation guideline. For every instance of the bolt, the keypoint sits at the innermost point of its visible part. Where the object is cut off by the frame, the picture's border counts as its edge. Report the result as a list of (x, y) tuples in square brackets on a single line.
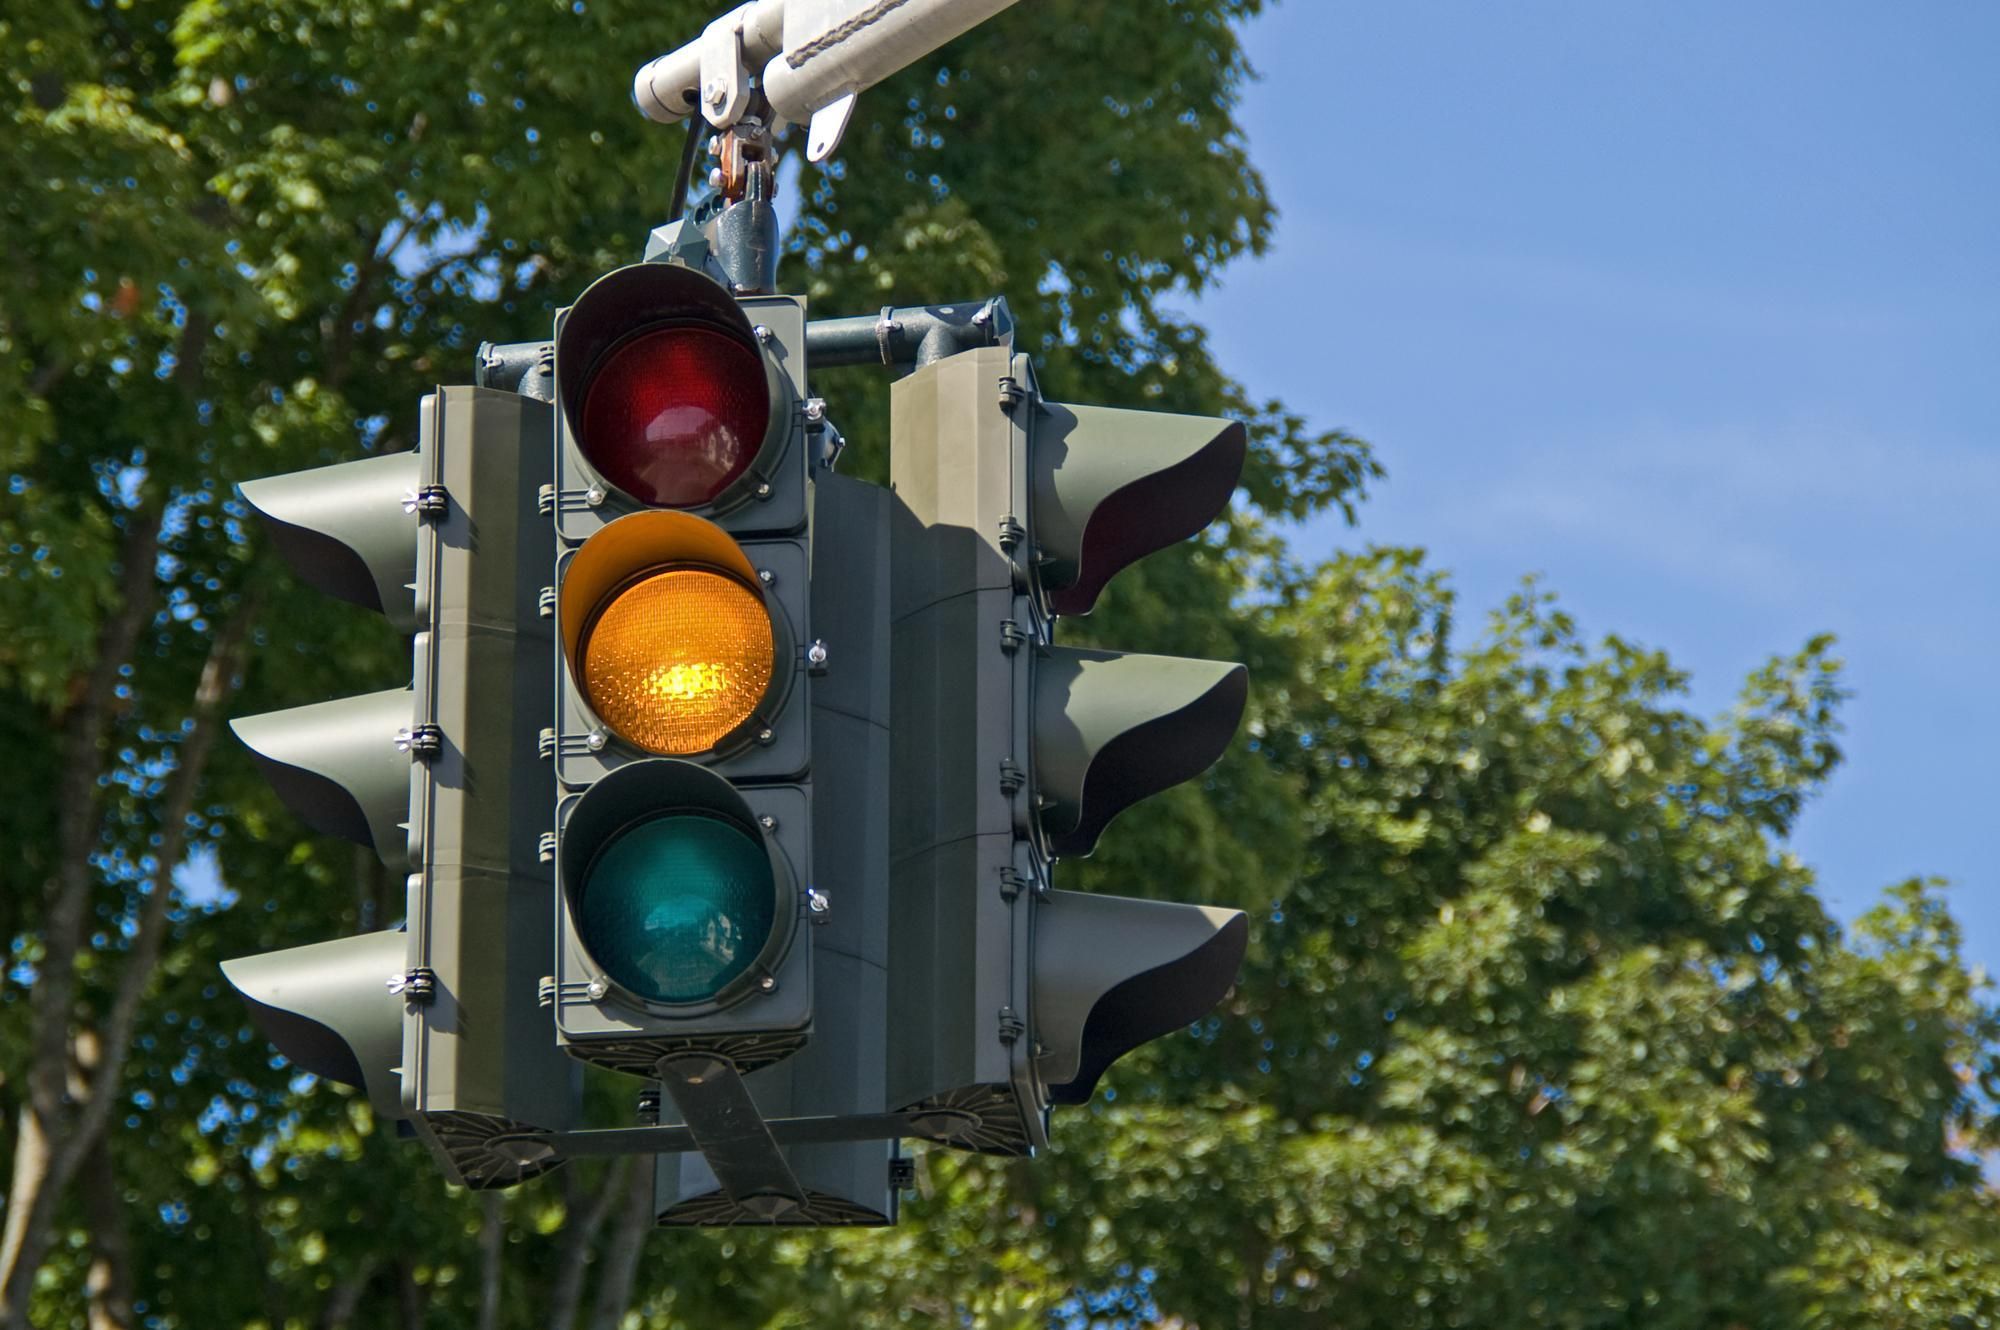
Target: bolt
[(768, 822), (815, 410), (816, 653), (762, 333), (595, 496), (766, 576), (595, 740), (598, 988), (768, 984), (765, 736), (764, 490), (817, 901)]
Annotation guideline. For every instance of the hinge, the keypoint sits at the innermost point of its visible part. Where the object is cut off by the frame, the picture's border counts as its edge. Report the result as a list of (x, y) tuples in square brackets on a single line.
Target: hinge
[(1011, 393), (545, 744), (426, 501), (1012, 1027), (902, 1174), (1011, 882), (1012, 533), (1012, 636), (418, 985), (545, 847), (545, 500), (1012, 778), (545, 602), (421, 742)]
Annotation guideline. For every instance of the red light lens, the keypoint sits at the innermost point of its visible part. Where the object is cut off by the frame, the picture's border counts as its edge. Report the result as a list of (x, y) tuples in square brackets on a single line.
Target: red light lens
[(674, 416)]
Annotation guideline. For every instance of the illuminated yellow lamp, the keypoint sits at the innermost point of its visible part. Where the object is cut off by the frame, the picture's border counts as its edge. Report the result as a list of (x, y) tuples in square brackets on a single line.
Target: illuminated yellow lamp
[(679, 659), (667, 632)]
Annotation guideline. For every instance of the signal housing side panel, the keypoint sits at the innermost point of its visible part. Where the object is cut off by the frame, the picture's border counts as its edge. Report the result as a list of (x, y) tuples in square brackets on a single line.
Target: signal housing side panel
[(841, 1069), (480, 1055), (962, 876)]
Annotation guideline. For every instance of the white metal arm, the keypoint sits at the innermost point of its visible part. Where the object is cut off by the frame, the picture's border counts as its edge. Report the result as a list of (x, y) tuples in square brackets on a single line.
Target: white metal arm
[(815, 56)]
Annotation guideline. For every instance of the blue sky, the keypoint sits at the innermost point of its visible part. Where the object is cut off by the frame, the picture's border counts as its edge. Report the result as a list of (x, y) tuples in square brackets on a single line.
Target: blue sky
[(1693, 308)]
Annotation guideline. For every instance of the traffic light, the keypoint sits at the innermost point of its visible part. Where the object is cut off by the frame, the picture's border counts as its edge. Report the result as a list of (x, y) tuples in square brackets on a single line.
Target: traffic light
[(839, 1074), (737, 776), (437, 1020), (1009, 752), (682, 735)]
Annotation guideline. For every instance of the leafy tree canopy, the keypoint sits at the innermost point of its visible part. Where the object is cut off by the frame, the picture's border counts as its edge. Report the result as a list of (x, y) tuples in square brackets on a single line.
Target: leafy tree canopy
[(1542, 1022)]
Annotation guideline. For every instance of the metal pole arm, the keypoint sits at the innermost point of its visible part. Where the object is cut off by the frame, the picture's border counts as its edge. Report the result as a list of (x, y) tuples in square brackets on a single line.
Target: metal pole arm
[(911, 336)]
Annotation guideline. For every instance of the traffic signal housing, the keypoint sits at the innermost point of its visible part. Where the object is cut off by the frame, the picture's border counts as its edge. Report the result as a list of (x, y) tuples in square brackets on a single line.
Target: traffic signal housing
[(436, 1020), (681, 736), (1010, 752)]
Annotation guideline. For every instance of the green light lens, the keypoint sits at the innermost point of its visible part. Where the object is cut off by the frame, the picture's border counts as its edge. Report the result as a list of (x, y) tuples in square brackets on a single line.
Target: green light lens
[(677, 907)]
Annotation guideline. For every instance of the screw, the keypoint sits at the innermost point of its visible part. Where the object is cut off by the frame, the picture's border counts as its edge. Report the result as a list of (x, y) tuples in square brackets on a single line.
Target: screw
[(768, 984), (768, 822), (762, 333), (595, 496), (766, 576), (595, 740), (815, 410), (817, 901), (764, 490), (598, 988), (765, 736), (816, 653)]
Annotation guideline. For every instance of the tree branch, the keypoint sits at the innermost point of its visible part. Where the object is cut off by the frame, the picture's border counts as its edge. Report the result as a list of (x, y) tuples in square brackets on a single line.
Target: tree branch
[(340, 338), (36, 1183), (621, 1258), (346, 1297), (410, 1295), (108, 1284), (578, 1238), (492, 1246), (219, 674)]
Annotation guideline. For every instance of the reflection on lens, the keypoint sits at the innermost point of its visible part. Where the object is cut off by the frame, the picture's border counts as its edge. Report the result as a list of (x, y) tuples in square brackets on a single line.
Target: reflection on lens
[(675, 416), (678, 660), (677, 907)]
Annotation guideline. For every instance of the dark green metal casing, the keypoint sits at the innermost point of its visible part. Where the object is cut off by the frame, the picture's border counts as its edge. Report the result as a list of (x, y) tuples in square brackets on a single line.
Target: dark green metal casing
[(840, 1071), (757, 778), (348, 530), (1009, 752), (329, 1008), (479, 1056), (437, 1021), (344, 767)]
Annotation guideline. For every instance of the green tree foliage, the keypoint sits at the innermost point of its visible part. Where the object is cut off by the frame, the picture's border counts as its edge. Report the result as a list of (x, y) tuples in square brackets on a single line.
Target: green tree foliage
[(1542, 1023)]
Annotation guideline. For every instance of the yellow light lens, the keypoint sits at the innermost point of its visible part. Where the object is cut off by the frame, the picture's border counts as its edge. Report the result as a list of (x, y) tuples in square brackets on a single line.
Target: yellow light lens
[(678, 659)]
